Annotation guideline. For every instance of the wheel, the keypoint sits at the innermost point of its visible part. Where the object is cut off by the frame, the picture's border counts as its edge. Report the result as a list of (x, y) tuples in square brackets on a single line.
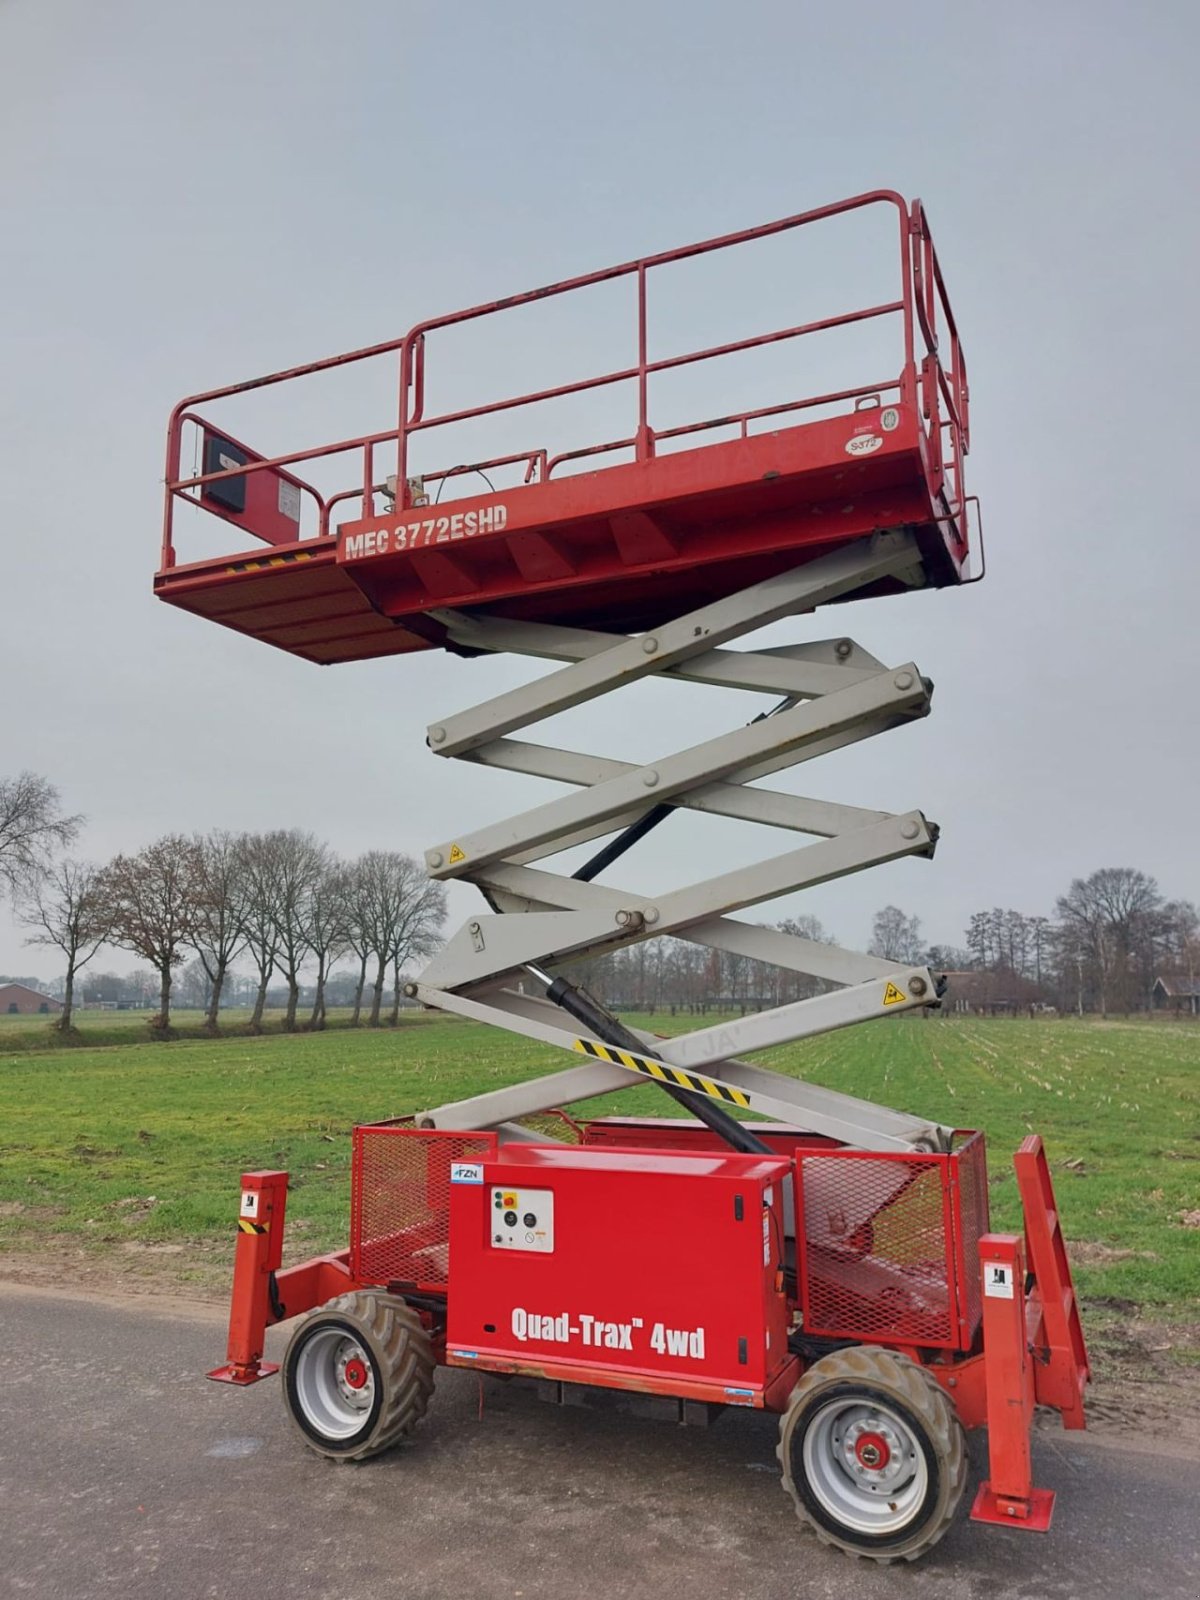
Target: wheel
[(873, 1454), (358, 1375)]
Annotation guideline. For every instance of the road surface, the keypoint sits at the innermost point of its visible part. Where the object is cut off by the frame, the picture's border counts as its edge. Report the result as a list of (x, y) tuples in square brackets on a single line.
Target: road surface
[(124, 1473)]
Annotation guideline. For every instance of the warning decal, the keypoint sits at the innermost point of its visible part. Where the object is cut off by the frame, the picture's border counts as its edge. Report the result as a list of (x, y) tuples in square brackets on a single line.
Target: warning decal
[(661, 1072), (893, 996), (998, 1280), (457, 854), (246, 1226), (270, 561)]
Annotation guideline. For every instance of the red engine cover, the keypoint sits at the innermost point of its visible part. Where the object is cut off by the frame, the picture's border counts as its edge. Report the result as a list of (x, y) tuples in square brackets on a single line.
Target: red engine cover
[(638, 1270)]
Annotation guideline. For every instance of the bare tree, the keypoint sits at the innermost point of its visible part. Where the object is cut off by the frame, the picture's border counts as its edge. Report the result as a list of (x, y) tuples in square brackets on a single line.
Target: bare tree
[(419, 936), (67, 908), (192, 987), (417, 931), (946, 958), (327, 922), (980, 940), (1039, 935), (297, 861), (896, 936), (358, 926), (1182, 940), (1105, 918), (32, 827), (259, 928), (219, 912), (402, 915), (149, 900)]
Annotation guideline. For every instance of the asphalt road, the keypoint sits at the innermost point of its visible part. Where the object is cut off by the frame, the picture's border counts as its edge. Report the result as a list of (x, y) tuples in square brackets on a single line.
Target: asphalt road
[(123, 1473)]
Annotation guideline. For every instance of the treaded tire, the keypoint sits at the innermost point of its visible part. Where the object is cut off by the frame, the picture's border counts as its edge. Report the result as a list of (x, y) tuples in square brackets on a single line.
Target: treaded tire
[(398, 1360), (860, 1377)]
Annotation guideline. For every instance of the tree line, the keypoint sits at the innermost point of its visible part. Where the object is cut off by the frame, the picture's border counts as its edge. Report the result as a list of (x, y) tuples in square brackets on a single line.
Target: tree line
[(1111, 935), (285, 903), (281, 900), (672, 975)]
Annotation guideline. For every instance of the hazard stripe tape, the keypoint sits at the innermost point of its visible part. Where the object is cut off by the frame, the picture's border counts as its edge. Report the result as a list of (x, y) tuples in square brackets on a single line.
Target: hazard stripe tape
[(246, 1226), (270, 561), (661, 1072)]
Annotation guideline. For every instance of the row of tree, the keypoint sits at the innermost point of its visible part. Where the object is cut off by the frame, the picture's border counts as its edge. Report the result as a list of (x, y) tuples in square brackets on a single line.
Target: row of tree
[(672, 975), (1112, 934), (282, 900)]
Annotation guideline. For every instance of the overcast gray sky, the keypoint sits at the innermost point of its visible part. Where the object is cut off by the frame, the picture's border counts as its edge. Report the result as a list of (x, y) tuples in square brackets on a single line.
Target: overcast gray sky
[(196, 194)]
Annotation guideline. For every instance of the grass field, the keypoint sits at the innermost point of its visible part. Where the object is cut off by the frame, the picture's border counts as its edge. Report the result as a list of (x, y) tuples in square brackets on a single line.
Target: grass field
[(124, 1148)]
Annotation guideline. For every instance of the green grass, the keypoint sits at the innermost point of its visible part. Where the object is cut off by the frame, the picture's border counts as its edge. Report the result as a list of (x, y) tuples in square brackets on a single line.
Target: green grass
[(1117, 1104), (89, 1134)]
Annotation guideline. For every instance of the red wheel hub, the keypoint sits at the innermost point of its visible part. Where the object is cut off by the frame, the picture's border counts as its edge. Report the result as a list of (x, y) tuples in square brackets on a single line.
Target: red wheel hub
[(356, 1373), (872, 1451)]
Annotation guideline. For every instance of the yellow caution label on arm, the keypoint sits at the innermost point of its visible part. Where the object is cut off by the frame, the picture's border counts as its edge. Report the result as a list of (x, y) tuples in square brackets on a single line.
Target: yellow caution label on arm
[(648, 1067), (893, 996)]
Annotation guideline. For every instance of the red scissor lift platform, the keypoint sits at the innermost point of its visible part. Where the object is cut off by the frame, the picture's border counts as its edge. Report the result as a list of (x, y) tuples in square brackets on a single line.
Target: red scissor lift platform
[(621, 533), (790, 1248)]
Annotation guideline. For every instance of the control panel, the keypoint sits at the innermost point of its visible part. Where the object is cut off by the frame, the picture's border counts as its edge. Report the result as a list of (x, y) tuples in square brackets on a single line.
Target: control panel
[(522, 1219)]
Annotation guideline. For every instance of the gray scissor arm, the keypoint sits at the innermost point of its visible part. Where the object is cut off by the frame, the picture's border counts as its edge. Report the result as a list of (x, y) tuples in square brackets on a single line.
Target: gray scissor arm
[(537, 921)]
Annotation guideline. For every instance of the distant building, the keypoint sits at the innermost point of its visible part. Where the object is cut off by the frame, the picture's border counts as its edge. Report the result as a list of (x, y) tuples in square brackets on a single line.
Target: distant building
[(991, 994), (1176, 993), (18, 1001)]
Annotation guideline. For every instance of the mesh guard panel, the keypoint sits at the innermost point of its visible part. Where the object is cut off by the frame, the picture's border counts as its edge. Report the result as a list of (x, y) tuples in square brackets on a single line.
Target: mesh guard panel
[(878, 1248), (400, 1201), (974, 1220)]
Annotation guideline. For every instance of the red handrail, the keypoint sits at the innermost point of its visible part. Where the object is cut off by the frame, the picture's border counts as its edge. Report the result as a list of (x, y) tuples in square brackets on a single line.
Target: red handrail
[(921, 300)]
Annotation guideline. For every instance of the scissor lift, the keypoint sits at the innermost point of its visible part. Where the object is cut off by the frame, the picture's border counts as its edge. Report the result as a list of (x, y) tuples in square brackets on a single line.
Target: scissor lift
[(876, 1312)]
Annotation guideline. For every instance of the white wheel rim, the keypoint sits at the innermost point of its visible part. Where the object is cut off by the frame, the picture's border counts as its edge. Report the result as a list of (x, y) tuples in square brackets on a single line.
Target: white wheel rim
[(865, 1466), (334, 1383)]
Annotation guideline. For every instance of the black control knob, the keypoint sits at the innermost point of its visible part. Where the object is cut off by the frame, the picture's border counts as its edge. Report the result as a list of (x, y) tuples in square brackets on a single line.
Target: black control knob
[(510, 1219), (529, 1220)]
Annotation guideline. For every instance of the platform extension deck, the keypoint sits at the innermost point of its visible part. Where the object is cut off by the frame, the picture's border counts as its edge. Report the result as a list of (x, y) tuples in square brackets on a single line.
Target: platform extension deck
[(611, 545)]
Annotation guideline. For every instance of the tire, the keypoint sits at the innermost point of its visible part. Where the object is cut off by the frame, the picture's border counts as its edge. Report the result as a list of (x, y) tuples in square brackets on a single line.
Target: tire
[(873, 1454), (358, 1375)]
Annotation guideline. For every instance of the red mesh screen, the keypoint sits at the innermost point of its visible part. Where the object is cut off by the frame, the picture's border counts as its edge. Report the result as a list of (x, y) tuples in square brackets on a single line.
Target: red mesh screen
[(400, 1201), (878, 1248), (974, 1221)]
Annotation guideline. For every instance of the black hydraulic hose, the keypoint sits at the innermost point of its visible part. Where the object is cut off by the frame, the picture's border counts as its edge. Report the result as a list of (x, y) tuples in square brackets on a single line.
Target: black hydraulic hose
[(625, 840), (609, 1030), (649, 820)]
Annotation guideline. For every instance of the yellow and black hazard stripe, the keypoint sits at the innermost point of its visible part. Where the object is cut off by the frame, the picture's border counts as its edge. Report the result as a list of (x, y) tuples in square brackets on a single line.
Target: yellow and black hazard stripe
[(262, 563), (648, 1067), (245, 1225)]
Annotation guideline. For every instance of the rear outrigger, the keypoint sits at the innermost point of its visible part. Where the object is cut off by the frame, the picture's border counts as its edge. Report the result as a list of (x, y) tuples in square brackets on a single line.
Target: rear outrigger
[(781, 1247)]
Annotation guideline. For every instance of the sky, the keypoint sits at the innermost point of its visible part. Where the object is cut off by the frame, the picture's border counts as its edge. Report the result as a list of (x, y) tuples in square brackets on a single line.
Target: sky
[(196, 195)]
